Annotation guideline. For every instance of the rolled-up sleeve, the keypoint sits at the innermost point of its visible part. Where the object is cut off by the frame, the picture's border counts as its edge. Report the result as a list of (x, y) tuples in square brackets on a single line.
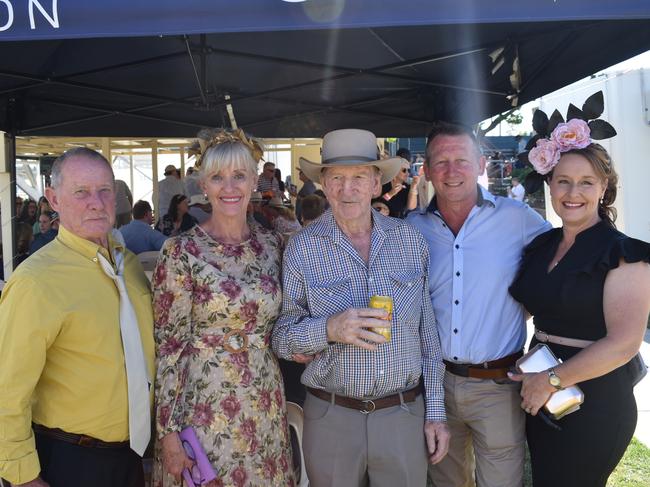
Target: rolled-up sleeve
[(297, 331), (28, 326)]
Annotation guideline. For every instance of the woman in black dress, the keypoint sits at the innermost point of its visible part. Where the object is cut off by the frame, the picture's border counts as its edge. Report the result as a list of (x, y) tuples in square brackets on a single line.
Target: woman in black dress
[(584, 281), (177, 220)]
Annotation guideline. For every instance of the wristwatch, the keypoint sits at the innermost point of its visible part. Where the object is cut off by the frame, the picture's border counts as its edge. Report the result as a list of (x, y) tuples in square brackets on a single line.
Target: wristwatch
[(554, 380)]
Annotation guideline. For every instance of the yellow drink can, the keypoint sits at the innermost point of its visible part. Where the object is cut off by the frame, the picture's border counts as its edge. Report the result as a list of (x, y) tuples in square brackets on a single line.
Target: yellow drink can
[(382, 302)]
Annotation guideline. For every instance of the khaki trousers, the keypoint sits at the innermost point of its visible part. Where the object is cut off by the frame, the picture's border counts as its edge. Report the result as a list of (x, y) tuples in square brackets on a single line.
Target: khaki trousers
[(488, 435), (346, 448)]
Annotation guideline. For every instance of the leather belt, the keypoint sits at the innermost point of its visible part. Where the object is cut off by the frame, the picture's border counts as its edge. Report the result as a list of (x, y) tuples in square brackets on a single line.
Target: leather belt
[(544, 337), (370, 405), (494, 369), (81, 440)]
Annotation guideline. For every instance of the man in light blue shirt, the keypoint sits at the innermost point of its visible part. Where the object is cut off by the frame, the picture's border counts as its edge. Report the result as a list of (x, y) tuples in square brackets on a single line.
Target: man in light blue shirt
[(138, 234), (476, 240)]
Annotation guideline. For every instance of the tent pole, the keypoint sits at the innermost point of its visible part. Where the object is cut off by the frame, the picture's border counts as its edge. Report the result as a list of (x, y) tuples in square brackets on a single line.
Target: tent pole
[(8, 189), (154, 178), (106, 150), (182, 155), (8, 200), (131, 174)]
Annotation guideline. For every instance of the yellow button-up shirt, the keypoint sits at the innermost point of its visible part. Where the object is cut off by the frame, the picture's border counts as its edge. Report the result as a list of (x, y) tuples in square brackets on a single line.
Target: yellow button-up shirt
[(61, 356)]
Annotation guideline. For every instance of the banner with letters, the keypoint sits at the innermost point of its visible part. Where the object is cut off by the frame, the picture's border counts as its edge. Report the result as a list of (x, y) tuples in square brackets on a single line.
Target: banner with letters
[(22, 20)]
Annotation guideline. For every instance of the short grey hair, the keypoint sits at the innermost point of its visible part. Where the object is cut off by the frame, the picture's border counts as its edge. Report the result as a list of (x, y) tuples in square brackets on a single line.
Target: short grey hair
[(56, 175), (234, 155), (450, 129)]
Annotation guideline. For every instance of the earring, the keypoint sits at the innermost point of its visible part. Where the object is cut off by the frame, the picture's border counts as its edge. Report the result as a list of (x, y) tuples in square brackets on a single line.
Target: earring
[(602, 201)]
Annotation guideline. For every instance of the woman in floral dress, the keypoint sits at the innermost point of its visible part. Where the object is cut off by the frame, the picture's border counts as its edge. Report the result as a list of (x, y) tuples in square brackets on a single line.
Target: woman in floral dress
[(216, 298)]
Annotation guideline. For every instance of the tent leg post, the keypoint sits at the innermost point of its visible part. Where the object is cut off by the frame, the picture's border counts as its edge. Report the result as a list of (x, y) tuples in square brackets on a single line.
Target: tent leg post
[(8, 199)]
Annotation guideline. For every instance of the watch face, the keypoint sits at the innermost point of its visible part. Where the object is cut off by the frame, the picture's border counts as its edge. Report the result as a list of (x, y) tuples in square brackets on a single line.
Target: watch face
[(554, 380)]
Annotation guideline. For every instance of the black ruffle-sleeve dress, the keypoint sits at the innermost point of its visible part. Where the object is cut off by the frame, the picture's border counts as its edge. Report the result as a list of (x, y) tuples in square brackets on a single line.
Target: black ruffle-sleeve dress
[(568, 302)]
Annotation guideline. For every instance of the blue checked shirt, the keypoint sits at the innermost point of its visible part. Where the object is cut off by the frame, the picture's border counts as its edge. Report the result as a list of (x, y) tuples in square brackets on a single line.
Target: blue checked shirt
[(323, 275)]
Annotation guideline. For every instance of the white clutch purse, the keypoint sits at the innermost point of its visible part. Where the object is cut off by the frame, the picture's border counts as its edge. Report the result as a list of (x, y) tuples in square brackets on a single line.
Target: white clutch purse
[(541, 358)]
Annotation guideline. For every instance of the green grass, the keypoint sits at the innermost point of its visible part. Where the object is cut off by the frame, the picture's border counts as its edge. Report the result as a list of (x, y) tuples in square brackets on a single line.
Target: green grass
[(633, 471)]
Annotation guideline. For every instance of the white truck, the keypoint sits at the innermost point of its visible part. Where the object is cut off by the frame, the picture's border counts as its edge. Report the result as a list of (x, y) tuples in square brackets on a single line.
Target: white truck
[(627, 108)]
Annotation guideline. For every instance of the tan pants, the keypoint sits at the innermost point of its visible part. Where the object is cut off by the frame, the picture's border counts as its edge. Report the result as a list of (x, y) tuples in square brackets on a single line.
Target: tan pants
[(346, 448), (488, 436)]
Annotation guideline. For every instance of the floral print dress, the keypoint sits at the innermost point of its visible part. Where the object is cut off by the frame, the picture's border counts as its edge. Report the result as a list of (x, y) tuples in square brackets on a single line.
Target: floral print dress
[(215, 306)]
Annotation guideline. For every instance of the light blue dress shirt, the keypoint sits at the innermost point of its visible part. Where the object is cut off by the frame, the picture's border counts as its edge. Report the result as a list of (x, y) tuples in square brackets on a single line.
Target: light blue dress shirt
[(140, 237), (469, 275)]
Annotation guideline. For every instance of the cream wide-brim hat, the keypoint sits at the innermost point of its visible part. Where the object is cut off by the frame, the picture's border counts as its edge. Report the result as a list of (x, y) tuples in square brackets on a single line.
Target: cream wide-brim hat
[(347, 148), (256, 197), (276, 202), (198, 199)]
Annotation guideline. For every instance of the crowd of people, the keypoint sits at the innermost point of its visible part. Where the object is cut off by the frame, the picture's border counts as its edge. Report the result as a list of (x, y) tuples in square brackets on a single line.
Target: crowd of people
[(36, 225), (426, 388)]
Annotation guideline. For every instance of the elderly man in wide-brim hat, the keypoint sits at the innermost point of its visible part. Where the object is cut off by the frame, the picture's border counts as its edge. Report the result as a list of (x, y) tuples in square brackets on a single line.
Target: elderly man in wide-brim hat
[(367, 411)]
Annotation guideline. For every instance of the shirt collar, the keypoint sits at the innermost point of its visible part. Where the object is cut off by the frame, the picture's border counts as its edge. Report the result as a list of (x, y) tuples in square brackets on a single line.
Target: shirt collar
[(326, 225), (483, 198), (87, 248)]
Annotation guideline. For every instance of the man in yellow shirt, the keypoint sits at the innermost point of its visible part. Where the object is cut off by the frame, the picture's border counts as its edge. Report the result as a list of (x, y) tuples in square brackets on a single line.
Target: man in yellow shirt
[(76, 341)]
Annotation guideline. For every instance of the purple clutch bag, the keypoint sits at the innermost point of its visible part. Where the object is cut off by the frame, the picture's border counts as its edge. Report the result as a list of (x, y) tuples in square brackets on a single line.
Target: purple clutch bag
[(202, 472)]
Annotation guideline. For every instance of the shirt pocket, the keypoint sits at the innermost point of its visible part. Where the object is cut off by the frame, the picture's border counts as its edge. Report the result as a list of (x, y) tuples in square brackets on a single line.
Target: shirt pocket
[(407, 295), (329, 297)]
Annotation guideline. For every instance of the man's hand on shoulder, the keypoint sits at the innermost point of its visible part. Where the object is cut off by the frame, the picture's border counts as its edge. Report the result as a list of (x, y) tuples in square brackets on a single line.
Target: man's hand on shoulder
[(438, 436), (351, 327), (37, 482)]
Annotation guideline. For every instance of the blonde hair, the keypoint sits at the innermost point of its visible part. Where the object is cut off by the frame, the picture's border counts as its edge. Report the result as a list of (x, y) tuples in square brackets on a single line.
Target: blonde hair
[(230, 149)]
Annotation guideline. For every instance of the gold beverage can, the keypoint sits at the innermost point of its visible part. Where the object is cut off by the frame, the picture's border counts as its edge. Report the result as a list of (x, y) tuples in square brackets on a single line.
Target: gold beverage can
[(382, 302)]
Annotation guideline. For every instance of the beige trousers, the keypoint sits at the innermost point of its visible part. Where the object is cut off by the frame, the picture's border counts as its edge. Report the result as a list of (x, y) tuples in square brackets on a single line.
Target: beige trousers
[(488, 435), (346, 448)]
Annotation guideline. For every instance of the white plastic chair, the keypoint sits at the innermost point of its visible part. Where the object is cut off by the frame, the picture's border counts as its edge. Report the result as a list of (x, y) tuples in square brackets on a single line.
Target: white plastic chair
[(148, 259), (295, 417)]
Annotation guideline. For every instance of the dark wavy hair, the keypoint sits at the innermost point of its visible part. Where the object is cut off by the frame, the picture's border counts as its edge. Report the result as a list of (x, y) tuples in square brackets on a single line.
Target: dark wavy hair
[(176, 200), (601, 162), (24, 212)]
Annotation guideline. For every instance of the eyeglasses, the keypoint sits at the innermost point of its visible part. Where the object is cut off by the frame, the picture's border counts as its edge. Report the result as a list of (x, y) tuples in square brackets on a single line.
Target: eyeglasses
[(197, 478)]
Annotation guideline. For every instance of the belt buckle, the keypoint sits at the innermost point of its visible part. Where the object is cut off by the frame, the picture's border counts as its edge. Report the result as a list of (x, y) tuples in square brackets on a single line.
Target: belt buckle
[(86, 441), (240, 336), (369, 406)]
